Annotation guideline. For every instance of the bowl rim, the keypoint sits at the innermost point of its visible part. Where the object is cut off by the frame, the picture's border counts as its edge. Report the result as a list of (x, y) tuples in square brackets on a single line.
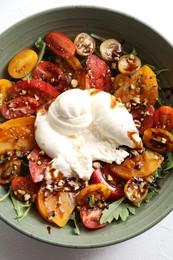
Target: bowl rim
[(168, 210)]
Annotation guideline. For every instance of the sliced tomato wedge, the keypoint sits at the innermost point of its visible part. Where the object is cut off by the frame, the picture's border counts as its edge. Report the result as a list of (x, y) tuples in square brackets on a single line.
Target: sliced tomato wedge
[(145, 116), (55, 207), (91, 217), (38, 162), (38, 89), (20, 107), (60, 44), (51, 73), (24, 189), (104, 176), (163, 118), (98, 73)]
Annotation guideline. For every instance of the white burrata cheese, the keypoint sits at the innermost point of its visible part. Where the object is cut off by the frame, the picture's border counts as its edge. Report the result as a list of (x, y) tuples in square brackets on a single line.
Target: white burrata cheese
[(82, 126)]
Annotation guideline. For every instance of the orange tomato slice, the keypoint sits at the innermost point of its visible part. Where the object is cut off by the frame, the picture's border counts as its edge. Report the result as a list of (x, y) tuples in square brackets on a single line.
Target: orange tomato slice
[(4, 85), (100, 191), (159, 140), (55, 207), (17, 134), (139, 166), (22, 63)]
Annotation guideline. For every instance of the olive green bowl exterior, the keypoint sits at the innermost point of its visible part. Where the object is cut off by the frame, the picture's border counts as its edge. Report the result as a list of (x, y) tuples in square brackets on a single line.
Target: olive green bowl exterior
[(153, 49)]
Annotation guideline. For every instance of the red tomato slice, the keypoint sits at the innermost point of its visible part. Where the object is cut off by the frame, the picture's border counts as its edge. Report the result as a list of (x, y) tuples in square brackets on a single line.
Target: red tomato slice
[(163, 118), (38, 162), (38, 89), (51, 73), (145, 117), (20, 107), (60, 44), (98, 73), (98, 177), (24, 188), (91, 217)]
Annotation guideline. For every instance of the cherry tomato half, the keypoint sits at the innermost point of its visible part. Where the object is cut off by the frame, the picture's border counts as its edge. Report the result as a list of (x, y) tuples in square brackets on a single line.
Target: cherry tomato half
[(35, 88), (128, 64), (159, 140), (24, 188), (136, 189), (141, 165), (20, 107), (145, 116), (60, 44), (100, 192), (163, 118), (98, 73), (38, 162), (9, 168), (101, 176), (51, 73), (85, 44), (4, 85), (110, 49), (91, 217), (22, 63)]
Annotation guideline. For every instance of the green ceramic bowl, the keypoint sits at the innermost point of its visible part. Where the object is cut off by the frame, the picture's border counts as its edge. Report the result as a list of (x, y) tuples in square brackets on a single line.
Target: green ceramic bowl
[(153, 49)]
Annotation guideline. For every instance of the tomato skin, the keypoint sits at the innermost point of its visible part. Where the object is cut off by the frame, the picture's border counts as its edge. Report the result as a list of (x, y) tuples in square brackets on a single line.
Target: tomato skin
[(163, 118), (136, 189), (17, 134), (159, 140), (55, 207), (22, 63), (37, 164), (91, 217), (4, 85), (9, 168), (34, 88), (29, 188), (145, 117), (98, 73), (128, 64), (50, 73), (20, 107), (60, 44), (85, 44), (115, 192)]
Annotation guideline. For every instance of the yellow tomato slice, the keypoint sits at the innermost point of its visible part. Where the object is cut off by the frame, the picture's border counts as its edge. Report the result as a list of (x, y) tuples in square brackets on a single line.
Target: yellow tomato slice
[(100, 191), (17, 134), (55, 207), (4, 85), (139, 166), (143, 88), (159, 140), (22, 63)]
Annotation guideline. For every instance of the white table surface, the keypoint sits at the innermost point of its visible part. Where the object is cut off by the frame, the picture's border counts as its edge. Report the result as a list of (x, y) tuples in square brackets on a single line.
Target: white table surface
[(156, 243)]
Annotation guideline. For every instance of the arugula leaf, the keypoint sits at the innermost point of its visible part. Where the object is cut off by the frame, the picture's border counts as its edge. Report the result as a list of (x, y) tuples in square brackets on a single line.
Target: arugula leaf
[(21, 208), (117, 210), (5, 195), (98, 37), (41, 46), (76, 228)]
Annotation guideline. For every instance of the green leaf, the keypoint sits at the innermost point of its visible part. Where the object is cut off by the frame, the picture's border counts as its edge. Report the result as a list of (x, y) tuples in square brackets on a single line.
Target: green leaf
[(41, 46), (76, 228), (117, 210), (21, 208), (98, 37), (91, 201), (5, 195)]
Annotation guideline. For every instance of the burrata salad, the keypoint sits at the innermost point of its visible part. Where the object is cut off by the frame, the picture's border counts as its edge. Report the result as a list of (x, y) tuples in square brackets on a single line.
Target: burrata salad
[(85, 134)]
